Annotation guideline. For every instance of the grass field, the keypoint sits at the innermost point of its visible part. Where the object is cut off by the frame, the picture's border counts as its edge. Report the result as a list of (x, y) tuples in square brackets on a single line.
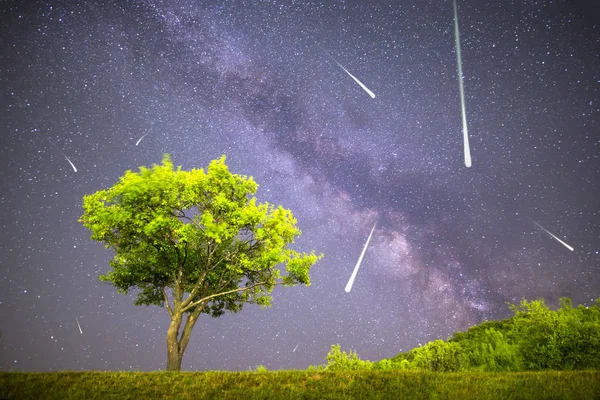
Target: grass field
[(300, 385)]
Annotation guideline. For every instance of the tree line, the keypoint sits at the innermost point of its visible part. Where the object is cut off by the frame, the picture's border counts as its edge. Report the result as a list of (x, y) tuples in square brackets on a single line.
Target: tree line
[(535, 338)]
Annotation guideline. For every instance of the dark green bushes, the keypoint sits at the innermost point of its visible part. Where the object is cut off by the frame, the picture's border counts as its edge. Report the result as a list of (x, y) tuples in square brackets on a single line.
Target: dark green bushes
[(562, 340), (535, 338)]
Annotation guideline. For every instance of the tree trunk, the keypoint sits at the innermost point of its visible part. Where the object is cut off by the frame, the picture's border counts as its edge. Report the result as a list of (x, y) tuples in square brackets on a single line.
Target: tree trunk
[(176, 345), (174, 361), (174, 355)]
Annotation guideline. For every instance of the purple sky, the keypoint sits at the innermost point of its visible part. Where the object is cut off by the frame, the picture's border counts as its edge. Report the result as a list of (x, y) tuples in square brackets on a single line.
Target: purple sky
[(253, 80)]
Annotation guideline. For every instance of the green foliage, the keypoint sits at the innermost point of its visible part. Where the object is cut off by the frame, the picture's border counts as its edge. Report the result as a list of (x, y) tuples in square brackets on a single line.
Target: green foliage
[(406, 356), (384, 365), (535, 338), (315, 368), (340, 360), (439, 356), (477, 332), (261, 369), (389, 364), (494, 352), (195, 232), (563, 340)]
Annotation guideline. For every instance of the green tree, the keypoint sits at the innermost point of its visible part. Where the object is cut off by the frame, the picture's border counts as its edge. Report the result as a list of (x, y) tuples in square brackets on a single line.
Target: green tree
[(536, 328), (566, 339), (439, 356), (197, 233), (493, 352), (340, 360), (578, 335)]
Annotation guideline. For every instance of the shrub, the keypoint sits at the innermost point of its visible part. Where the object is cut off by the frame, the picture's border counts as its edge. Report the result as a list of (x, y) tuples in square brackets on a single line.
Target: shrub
[(389, 364), (439, 356), (493, 352), (340, 360), (261, 369)]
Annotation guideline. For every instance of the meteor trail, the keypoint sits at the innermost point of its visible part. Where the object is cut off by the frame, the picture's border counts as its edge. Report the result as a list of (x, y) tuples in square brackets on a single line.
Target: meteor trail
[(61, 152), (548, 232), (74, 169), (140, 139), (293, 351), (351, 281), (462, 90), (366, 89), (80, 331)]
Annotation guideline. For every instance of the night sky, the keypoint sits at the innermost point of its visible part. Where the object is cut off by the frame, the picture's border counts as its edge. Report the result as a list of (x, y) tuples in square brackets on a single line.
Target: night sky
[(259, 82)]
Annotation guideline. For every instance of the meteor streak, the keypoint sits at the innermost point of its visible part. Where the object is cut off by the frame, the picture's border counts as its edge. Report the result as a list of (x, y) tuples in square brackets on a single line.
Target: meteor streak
[(366, 89), (462, 91), (293, 351), (61, 152), (351, 281), (74, 169), (548, 232), (80, 331), (140, 139)]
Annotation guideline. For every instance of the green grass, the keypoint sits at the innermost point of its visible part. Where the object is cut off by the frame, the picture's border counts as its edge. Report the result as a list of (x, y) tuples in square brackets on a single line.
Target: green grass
[(301, 385)]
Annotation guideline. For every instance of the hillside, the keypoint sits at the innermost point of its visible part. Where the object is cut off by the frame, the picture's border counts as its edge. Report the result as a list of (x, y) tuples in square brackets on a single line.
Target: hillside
[(535, 338)]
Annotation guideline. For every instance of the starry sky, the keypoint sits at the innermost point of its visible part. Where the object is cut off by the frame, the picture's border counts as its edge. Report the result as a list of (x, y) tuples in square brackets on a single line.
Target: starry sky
[(259, 81)]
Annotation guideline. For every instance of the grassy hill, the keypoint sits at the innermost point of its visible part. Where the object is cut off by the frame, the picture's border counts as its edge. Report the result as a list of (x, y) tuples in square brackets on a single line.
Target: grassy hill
[(371, 384), (536, 338)]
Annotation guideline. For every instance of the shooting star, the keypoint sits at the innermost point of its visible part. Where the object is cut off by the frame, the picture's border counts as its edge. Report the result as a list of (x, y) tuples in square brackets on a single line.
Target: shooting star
[(61, 152), (80, 331), (140, 139), (293, 351), (351, 281), (74, 169), (366, 89), (549, 233), (462, 91)]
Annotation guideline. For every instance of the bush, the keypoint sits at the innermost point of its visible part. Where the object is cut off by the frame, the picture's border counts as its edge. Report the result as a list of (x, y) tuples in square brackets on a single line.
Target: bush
[(261, 369), (493, 352), (535, 338), (389, 364), (384, 365), (439, 356), (340, 360)]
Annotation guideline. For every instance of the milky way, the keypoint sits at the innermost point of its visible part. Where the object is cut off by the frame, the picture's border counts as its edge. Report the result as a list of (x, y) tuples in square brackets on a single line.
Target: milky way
[(248, 80)]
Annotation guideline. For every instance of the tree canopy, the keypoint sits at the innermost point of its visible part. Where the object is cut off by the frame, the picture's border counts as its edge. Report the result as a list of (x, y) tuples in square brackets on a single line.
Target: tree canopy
[(197, 233), (197, 229)]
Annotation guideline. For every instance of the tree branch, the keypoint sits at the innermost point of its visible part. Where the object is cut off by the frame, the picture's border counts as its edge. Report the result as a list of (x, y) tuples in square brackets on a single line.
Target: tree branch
[(187, 303), (218, 286), (195, 289), (191, 320), (231, 255), (159, 250), (196, 224), (186, 253), (173, 244), (167, 301), (221, 294), (210, 253)]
